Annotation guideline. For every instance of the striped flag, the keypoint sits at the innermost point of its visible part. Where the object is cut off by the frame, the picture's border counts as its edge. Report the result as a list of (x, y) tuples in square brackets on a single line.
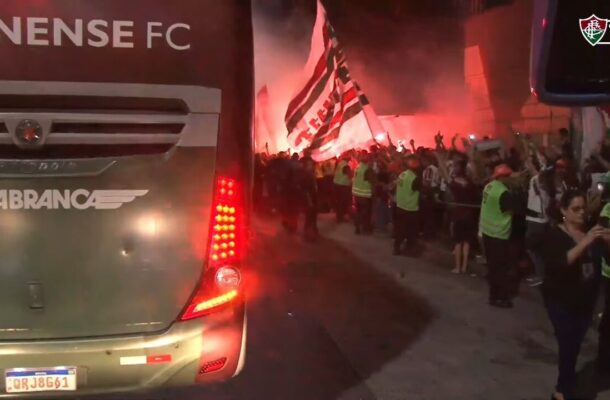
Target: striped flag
[(330, 114)]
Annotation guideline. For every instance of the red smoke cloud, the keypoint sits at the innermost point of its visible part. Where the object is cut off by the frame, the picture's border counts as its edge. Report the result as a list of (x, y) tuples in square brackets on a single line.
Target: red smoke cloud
[(402, 71)]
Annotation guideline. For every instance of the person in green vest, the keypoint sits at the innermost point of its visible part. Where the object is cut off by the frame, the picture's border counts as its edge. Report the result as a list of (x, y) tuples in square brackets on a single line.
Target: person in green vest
[(362, 189), (495, 225), (342, 187), (603, 356), (408, 186)]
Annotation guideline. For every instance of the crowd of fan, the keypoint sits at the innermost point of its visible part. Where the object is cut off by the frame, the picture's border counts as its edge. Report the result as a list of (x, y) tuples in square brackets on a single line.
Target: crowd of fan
[(451, 185), (535, 212)]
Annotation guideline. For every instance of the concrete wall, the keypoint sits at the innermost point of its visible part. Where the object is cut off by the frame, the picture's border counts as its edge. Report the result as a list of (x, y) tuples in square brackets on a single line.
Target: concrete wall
[(496, 65)]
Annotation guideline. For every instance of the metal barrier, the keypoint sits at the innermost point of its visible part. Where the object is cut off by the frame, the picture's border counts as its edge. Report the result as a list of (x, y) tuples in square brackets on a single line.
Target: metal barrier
[(452, 204)]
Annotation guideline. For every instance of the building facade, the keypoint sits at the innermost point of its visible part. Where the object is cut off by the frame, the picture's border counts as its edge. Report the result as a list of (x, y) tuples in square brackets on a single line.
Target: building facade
[(496, 70)]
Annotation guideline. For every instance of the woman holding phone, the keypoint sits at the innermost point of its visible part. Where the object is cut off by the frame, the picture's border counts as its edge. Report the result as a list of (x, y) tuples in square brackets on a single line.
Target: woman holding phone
[(573, 258)]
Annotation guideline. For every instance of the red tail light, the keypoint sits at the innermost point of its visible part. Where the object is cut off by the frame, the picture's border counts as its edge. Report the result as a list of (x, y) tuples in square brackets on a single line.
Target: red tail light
[(221, 280), (213, 366), (224, 247)]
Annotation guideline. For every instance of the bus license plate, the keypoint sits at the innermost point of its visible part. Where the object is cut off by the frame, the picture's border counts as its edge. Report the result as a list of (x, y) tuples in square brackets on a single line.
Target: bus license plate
[(24, 380)]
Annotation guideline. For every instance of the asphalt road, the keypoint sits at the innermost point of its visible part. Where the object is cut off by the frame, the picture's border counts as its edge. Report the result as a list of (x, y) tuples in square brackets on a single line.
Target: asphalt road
[(320, 323)]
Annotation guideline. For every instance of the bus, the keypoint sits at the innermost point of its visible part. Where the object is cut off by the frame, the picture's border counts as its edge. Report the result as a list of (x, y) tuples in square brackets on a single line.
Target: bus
[(125, 175)]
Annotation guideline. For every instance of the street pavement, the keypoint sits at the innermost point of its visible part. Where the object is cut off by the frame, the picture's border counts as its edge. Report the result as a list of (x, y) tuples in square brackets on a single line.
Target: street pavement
[(344, 319), (470, 350), (320, 323)]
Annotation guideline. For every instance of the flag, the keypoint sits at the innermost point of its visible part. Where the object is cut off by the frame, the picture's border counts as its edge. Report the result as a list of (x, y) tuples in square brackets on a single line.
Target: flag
[(605, 113), (330, 114), (594, 125)]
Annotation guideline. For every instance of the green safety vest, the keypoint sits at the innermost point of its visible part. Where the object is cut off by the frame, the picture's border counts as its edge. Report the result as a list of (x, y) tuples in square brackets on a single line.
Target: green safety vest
[(342, 179), (605, 267), (406, 198), (493, 222), (361, 187)]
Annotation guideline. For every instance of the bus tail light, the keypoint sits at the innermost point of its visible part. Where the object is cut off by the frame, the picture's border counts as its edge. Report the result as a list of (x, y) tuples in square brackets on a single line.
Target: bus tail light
[(221, 281), (213, 366)]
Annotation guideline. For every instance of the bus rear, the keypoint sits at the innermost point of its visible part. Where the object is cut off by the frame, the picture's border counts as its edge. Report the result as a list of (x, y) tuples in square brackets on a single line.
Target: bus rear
[(125, 163)]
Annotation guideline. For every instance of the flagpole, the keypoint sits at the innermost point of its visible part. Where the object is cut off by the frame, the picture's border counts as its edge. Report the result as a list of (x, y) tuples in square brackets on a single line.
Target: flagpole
[(368, 123), (364, 111)]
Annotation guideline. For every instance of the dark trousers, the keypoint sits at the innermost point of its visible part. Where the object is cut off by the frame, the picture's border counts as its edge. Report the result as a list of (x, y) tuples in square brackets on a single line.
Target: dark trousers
[(407, 228), (570, 330), (381, 213), (311, 223), (325, 194), (604, 329), (428, 225), (343, 198), (289, 209), (364, 214), (497, 252)]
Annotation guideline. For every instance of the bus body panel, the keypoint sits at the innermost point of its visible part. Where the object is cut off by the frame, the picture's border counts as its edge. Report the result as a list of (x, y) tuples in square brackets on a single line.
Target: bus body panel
[(116, 120)]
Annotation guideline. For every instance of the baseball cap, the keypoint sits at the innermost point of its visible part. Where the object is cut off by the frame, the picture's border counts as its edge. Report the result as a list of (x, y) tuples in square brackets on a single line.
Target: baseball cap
[(562, 163), (502, 171), (413, 163)]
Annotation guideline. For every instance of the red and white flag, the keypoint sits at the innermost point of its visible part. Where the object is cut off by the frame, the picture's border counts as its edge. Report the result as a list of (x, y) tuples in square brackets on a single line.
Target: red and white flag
[(330, 114)]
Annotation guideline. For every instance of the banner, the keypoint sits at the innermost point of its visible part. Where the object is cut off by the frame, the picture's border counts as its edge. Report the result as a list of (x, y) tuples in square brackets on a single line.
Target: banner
[(594, 128), (330, 114)]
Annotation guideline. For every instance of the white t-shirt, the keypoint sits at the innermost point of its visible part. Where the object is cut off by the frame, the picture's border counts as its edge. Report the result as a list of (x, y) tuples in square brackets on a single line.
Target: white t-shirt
[(537, 202), (431, 178), (443, 184)]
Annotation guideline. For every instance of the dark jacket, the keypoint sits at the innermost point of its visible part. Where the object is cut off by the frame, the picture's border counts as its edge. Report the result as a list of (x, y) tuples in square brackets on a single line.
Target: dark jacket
[(574, 286)]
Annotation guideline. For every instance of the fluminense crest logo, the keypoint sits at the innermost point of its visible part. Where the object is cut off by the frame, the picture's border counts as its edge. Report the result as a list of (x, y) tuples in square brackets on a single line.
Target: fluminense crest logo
[(593, 29)]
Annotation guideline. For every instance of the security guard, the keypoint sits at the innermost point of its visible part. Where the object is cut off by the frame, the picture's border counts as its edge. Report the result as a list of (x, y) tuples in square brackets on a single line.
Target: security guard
[(362, 189), (408, 187), (495, 224), (342, 188)]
